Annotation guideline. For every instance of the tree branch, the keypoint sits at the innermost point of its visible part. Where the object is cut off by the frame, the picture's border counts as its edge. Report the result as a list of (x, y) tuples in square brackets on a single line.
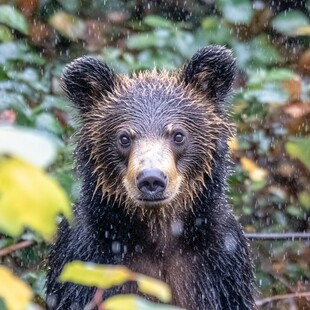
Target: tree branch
[(281, 297), (16, 247), (291, 236), (97, 300)]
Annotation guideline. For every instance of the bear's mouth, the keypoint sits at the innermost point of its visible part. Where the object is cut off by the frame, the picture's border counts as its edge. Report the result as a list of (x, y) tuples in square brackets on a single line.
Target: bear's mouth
[(152, 200)]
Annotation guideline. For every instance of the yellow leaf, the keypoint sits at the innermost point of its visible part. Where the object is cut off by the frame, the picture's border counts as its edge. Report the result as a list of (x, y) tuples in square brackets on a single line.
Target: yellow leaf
[(102, 276), (133, 302), (106, 276), (28, 197), (293, 87), (154, 287), (120, 302), (15, 293), (303, 31), (233, 144), (256, 173)]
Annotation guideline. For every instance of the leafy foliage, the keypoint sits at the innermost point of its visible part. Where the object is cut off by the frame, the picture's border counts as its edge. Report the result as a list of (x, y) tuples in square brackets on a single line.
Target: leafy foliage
[(270, 183), (10, 287), (13, 18), (299, 148), (236, 11), (131, 302), (105, 277), (289, 22), (29, 198)]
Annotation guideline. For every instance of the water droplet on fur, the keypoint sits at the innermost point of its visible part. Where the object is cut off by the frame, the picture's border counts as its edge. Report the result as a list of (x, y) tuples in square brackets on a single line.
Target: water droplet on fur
[(51, 301), (230, 243), (177, 228), (138, 248), (116, 247), (198, 221)]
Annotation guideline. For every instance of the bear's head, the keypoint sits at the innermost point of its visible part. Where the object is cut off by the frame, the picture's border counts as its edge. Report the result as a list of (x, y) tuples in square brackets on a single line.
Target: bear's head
[(152, 137)]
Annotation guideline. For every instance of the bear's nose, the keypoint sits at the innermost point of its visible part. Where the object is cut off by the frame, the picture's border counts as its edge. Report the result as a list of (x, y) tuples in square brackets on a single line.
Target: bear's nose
[(151, 181)]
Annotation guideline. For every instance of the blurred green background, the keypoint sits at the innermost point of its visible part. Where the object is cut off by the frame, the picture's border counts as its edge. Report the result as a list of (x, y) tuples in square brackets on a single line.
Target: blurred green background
[(270, 179)]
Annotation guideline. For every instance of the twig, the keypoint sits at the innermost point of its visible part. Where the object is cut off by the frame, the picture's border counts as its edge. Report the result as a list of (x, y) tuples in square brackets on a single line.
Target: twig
[(281, 297), (278, 236), (16, 246), (96, 301)]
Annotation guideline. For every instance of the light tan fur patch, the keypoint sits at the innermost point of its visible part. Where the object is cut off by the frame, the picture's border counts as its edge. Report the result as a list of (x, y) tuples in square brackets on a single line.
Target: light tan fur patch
[(152, 154)]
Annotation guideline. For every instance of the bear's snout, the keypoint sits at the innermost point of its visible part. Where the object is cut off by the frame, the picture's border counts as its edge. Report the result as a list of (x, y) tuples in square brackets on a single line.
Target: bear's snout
[(152, 178), (151, 183)]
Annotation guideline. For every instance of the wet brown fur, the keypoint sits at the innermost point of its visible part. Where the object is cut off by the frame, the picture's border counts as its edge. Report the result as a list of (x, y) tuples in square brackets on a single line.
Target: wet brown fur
[(188, 188), (191, 241)]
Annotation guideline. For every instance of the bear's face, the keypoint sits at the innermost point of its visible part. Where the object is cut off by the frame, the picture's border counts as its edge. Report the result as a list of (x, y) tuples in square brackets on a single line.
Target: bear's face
[(152, 136), (159, 137)]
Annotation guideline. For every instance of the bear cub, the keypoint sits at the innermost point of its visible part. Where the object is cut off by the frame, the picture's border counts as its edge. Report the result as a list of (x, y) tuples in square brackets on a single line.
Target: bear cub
[(152, 156)]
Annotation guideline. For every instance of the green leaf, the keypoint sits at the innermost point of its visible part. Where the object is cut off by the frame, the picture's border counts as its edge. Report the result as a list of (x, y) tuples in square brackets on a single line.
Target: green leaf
[(288, 22), (295, 211), (18, 51), (184, 42), (133, 302), (6, 242), (262, 76), (156, 21), (268, 94), (5, 34), (304, 199), (256, 53), (13, 18), (2, 305), (53, 102), (167, 59), (29, 198), (236, 11), (11, 50), (158, 38), (37, 281), (47, 121), (68, 25), (299, 148), (29, 144), (29, 76), (214, 30), (141, 41), (16, 102), (71, 5)]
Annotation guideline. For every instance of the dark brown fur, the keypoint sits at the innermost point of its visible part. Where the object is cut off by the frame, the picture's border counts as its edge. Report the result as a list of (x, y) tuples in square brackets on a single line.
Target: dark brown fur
[(190, 239), (106, 111)]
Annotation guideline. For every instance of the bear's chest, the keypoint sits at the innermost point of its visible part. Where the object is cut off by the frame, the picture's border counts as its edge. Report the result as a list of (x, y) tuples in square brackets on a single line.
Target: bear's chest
[(176, 269)]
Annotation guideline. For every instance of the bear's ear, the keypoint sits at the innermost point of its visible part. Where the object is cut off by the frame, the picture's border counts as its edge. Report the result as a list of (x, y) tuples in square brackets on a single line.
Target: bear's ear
[(86, 80), (211, 70)]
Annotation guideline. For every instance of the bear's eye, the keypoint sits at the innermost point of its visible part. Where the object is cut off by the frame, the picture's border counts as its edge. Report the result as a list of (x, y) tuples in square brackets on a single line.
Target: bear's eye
[(124, 140), (179, 138)]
